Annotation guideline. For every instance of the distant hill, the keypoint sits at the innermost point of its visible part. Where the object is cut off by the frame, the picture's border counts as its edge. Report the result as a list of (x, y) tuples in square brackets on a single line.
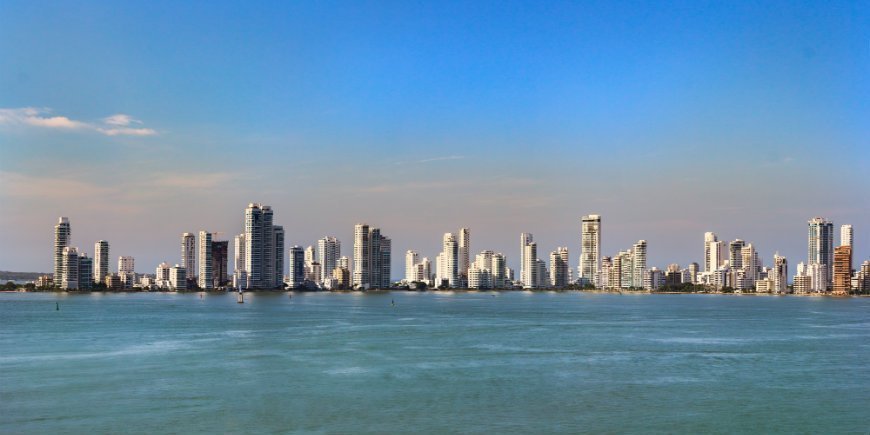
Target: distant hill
[(6, 275)]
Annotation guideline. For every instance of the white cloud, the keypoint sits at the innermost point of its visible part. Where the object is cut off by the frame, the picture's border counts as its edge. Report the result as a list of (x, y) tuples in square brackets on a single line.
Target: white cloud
[(115, 125)]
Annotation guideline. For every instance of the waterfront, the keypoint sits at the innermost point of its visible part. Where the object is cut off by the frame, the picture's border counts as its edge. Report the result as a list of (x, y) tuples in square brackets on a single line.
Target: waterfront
[(434, 362)]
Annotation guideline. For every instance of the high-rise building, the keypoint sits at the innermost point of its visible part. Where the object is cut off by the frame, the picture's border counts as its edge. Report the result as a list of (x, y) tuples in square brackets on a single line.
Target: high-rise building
[(846, 237), (296, 273), (541, 274), (278, 256), (261, 250), (178, 277), (638, 261), (161, 275), (500, 275), (86, 272), (748, 264), (590, 248), (842, 270), (450, 260), (693, 272), (410, 266), (310, 255), (371, 258), (188, 254), (126, 264), (101, 261), (559, 267), (361, 255), (712, 252), (69, 270), (525, 240), (424, 271), (62, 235), (530, 263), (735, 254), (820, 246), (464, 244), (219, 261), (344, 262), (606, 265), (238, 256), (328, 253), (205, 278), (627, 266), (780, 274)]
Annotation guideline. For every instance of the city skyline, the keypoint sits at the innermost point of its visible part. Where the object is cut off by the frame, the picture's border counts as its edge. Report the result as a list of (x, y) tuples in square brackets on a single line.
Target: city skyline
[(667, 120), (263, 245)]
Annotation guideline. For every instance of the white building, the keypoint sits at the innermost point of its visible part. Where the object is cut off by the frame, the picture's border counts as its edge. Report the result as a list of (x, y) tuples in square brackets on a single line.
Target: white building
[(450, 260), (178, 277), (411, 266), (846, 237), (464, 244), (161, 275), (820, 246), (205, 278), (70, 269), (525, 268), (62, 233), (101, 261), (371, 258), (590, 248), (559, 267), (126, 264), (328, 253), (530, 264)]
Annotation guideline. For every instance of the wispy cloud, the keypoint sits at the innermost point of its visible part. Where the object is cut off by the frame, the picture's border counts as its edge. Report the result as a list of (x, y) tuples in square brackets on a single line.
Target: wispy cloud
[(115, 125), (432, 159)]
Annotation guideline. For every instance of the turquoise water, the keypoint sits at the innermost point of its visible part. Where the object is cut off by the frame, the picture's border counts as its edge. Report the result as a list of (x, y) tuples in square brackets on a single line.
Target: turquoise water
[(433, 363)]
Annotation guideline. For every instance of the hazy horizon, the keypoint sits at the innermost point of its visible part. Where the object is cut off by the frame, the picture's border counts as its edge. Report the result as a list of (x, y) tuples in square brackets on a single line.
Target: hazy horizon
[(141, 121)]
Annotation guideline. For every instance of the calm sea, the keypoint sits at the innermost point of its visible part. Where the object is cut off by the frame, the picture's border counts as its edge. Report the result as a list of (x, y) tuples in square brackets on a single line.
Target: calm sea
[(433, 363)]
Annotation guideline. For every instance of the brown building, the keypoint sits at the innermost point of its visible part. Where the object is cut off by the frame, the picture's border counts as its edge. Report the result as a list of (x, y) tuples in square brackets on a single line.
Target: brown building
[(842, 270)]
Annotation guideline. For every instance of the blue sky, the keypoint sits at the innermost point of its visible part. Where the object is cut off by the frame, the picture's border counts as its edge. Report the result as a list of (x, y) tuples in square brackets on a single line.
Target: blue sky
[(668, 118)]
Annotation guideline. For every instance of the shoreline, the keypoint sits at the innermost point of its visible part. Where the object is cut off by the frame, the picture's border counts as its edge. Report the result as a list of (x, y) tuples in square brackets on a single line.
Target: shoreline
[(437, 291)]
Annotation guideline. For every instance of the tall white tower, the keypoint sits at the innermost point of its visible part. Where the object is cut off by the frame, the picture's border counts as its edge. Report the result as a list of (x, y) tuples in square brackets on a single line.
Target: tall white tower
[(62, 234), (450, 259), (590, 247), (101, 261), (846, 235), (205, 278), (328, 253)]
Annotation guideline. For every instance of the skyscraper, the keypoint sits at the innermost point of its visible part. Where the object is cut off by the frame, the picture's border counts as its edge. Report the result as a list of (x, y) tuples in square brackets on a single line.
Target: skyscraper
[(238, 254), (178, 278), (371, 257), (310, 256), (748, 264), (205, 279), (712, 252), (842, 270), (328, 253), (780, 274), (638, 259), (820, 245), (101, 261), (450, 260), (735, 254), (463, 252), (86, 272), (525, 240), (62, 234), (69, 270), (219, 258), (846, 235), (278, 249), (261, 248), (188, 254), (410, 266), (590, 248), (530, 263), (361, 255), (559, 267), (296, 273)]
